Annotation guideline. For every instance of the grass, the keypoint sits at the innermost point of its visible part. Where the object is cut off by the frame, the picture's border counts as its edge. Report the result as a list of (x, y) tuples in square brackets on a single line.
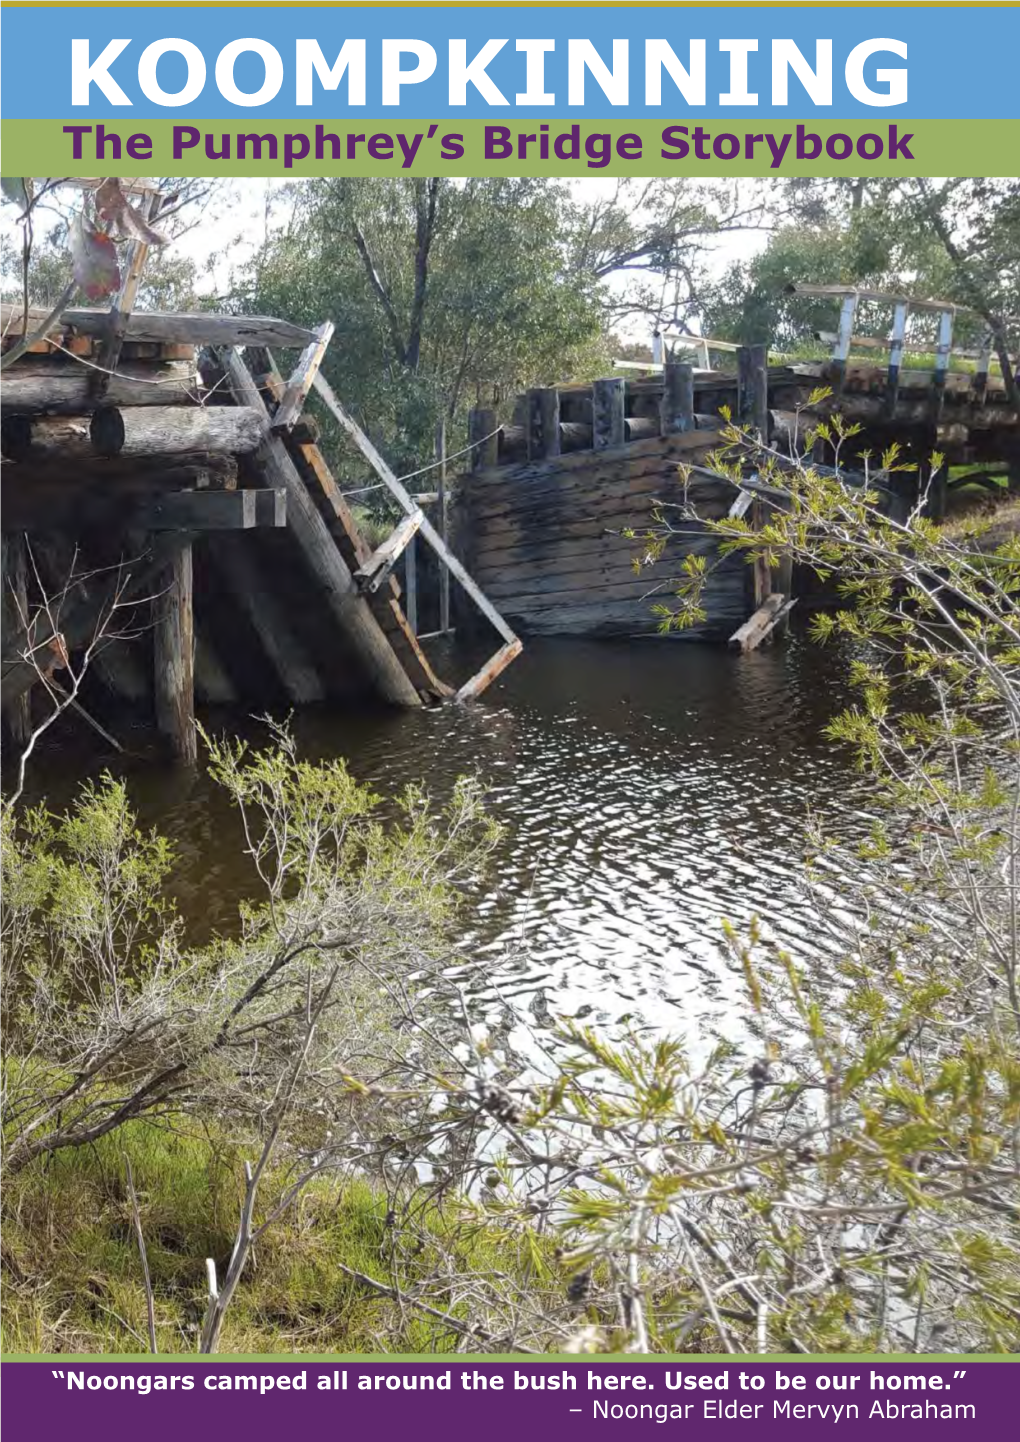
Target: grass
[(73, 1280)]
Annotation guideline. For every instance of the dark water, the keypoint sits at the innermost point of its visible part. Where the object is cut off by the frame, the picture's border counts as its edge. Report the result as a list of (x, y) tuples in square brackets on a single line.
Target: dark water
[(647, 792)]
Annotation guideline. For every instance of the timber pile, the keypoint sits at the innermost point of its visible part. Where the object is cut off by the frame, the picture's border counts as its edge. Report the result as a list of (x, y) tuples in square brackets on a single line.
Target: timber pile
[(193, 498)]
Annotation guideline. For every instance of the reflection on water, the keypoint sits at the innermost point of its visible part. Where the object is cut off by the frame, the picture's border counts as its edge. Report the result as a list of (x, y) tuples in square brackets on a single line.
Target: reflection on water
[(646, 791)]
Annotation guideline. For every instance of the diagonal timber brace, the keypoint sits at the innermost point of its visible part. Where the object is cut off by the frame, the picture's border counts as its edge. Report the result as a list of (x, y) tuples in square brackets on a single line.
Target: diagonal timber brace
[(409, 506)]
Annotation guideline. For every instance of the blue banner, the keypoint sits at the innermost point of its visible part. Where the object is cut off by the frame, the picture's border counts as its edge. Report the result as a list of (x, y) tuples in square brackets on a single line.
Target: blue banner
[(486, 63)]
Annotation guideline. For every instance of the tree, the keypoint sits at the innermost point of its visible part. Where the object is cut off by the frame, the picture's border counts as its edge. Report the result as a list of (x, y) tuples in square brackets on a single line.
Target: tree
[(443, 293), (653, 241)]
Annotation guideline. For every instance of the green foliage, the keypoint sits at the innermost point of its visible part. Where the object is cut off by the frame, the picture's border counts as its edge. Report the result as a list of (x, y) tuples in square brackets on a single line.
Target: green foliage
[(442, 299)]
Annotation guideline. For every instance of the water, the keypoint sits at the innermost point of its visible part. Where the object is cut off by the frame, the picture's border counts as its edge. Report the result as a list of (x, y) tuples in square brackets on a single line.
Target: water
[(647, 792)]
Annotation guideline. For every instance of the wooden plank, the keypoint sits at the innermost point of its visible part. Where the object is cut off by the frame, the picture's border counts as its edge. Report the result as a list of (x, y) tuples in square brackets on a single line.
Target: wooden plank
[(375, 570), (173, 657), (764, 621), (752, 389), (472, 689), (676, 409), (271, 507), (307, 368), (340, 594), (382, 470), (179, 327), (862, 293), (196, 511), (411, 583), (239, 567), (942, 351), (353, 547)]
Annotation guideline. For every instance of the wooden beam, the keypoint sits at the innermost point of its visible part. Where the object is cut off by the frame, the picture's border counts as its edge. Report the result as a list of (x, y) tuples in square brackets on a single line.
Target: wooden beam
[(349, 609), (197, 511), (245, 580), (444, 529), (375, 570), (472, 689), (175, 327), (120, 312), (176, 430), (289, 409), (764, 621), (173, 657), (395, 487), (64, 389), (354, 550)]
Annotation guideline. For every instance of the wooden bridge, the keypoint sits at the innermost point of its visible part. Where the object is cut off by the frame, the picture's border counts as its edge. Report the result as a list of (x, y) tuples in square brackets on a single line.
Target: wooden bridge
[(543, 515), (166, 504)]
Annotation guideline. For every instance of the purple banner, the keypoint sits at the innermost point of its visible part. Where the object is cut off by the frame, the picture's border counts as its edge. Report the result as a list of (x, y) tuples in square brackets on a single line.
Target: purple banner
[(499, 1401)]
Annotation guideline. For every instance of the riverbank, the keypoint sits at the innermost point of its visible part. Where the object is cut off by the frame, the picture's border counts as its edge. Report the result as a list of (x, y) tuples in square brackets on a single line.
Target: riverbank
[(326, 1276)]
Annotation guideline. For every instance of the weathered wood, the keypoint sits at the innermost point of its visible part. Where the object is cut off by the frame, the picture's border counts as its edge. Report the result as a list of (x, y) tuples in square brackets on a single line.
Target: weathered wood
[(354, 550), (82, 615), (87, 508), (271, 507), (45, 438), (676, 409), (238, 565), (176, 430), (120, 312), (180, 327), (173, 657), (64, 389), (473, 688), (607, 407), (305, 371), (349, 609), (753, 388), (411, 581), (196, 511), (764, 621), (483, 437), (395, 487), (543, 423), (375, 570)]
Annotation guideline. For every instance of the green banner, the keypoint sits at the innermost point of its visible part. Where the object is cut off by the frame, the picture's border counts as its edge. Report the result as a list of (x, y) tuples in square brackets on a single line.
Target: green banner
[(474, 147)]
